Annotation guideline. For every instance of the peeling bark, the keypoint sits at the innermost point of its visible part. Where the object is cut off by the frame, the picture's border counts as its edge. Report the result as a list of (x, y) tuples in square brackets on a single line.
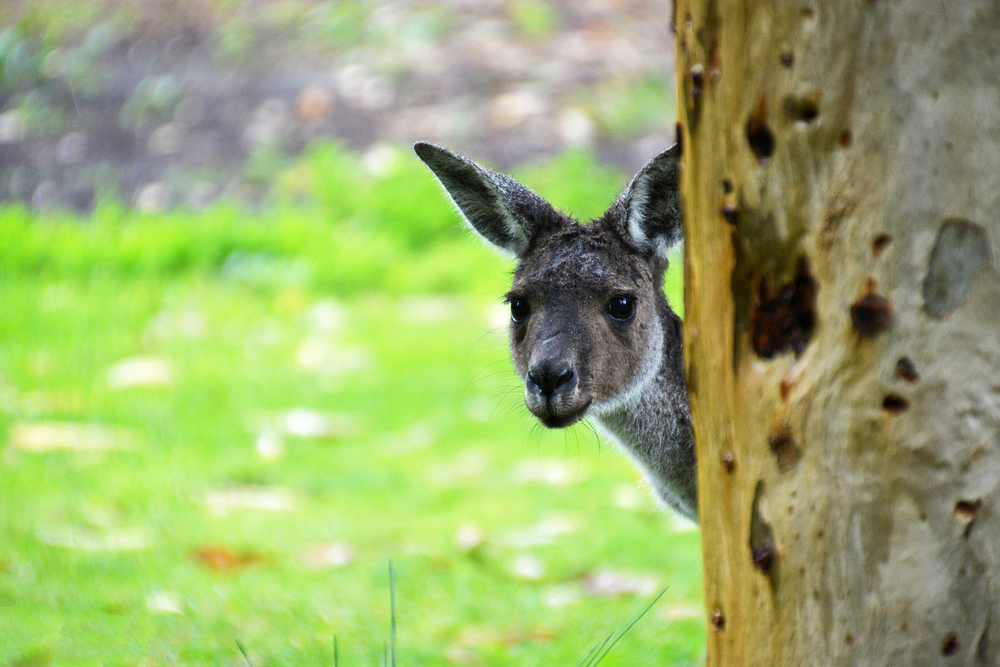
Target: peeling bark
[(849, 474)]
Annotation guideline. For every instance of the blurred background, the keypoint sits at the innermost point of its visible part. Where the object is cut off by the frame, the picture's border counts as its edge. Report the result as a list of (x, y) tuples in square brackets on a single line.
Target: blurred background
[(249, 356)]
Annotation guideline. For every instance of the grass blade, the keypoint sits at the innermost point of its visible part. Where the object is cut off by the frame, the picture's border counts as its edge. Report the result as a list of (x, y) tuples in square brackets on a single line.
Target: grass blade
[(392, 614), (594, 650), (628, 627), (243, 651)]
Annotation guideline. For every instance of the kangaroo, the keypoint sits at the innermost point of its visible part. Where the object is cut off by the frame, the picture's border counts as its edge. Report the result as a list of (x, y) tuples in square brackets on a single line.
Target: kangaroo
[(591, 332)]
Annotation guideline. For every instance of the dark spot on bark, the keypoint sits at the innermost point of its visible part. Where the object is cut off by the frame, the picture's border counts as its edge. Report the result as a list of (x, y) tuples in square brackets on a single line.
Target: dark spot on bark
[(787, 58), (895, 404), (762, 548), (849, 639), (950, 644), (697, 75), (820, 534), (785, 450), (727, 186), (906, 370), (961, 253), (804, 108), (846, 139), (879, 244), (785, 321), (718, 620), (966, 512), (730, 213), (870, 314), (759, 135), (728, 462), (763, 556), (807, 12)]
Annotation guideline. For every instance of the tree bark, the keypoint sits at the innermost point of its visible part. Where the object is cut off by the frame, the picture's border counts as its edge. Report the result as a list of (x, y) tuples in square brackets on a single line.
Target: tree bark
[(841, 186)]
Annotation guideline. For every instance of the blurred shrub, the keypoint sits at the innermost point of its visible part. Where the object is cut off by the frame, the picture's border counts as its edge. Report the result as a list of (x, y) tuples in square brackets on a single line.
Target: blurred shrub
[(335, 221)]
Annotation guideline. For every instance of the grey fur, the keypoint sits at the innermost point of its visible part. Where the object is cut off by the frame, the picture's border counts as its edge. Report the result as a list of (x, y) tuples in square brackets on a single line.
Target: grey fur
[(573, 355)]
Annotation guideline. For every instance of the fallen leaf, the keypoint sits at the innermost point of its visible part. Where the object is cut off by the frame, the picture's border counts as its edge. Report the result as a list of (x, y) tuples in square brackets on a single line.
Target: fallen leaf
[(328, 555), (608, 583), (221, 559), (48, 436), (551, 472), (681, 611), (560, 596), (528, 566), (306, 423), (269, 445), (262, 499), (89, 539), (140, 372), (469, 538), (159, 602), (544, 532)]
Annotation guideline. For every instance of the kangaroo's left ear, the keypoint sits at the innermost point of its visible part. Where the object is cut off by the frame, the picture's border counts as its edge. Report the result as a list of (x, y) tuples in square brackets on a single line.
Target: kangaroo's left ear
[(649, 216)]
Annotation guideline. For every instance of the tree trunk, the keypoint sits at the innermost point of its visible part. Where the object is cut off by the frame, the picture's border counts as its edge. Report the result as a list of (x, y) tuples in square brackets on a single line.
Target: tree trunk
[(842, 220)]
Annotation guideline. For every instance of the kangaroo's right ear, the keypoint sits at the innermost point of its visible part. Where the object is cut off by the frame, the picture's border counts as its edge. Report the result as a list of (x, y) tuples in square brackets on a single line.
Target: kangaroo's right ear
[(500, 209)]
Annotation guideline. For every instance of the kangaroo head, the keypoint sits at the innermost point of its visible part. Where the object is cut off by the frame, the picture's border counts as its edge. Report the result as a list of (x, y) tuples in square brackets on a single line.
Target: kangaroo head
[(587, 328)]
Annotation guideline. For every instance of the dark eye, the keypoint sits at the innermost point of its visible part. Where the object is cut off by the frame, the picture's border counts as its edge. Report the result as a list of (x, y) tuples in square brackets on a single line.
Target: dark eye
[(519, 309), (621, 307)]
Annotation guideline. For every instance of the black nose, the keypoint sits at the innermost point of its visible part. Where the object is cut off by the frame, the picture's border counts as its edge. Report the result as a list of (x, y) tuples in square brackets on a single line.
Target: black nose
[(550, 377)]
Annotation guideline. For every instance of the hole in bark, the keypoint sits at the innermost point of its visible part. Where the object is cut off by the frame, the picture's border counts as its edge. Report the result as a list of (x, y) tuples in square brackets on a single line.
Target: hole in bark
[(761, 537), (966, 512), (879, 244), (785, 450), (727, 186), (730, 213), (759, 135), (761, 140), (950, 644), (849, 639), (895, 404), (871, 313), (728, 462), (718, 620), (804, 108), (787, 58), (785, 321), (846, 139), (906, 370), (697, 74)]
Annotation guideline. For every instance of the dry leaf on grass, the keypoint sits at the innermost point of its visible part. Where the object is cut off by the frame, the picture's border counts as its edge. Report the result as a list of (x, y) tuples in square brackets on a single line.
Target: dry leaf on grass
[(49, 436), (140, 372), (261, 499), (221, 559), (328, 555), (608, 583), (89, 539)]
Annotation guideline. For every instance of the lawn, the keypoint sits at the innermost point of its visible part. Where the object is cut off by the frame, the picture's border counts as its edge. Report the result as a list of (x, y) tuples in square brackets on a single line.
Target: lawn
[(221, 427)]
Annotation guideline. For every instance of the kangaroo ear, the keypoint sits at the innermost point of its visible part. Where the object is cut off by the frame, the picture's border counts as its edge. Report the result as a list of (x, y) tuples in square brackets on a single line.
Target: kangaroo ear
[(651, 206), (504, 212)]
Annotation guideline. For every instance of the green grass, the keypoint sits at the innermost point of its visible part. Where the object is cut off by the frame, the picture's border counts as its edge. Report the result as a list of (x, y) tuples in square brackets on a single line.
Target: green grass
[(349, 295)]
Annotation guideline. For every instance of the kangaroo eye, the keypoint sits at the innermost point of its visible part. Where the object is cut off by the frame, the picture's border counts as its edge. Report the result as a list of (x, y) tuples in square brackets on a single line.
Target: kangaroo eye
[(519, 310), (621, 307)]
